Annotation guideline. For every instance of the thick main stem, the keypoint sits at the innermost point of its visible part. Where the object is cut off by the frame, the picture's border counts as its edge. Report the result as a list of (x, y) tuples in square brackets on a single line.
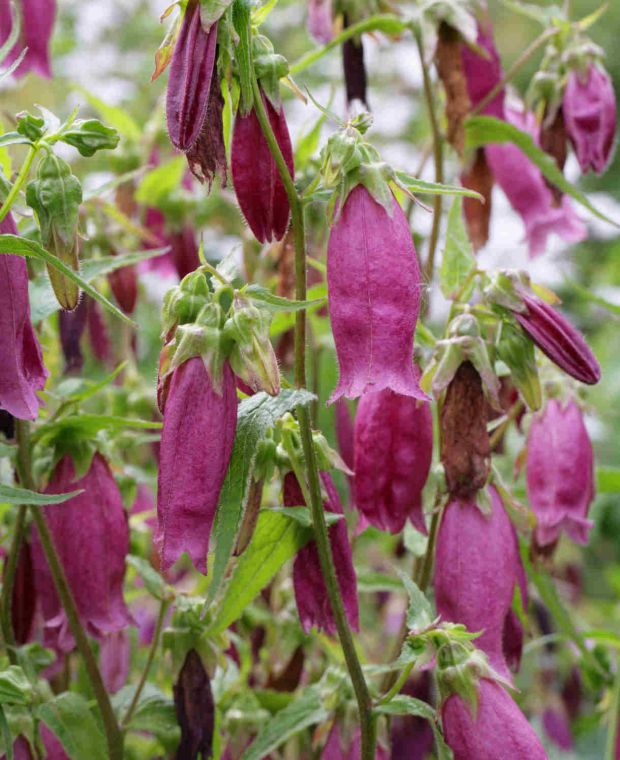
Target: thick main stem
[(328, 570)]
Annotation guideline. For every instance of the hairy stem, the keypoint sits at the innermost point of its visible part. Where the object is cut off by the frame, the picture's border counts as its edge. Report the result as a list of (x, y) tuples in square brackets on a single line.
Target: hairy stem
[(364, 702), (19, 181)]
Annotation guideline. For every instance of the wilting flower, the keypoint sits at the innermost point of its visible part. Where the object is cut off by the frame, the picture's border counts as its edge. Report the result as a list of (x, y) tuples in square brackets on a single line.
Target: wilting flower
[(374, 285), (94, 519), (114, 652), (560, 474), (499, 728), (22, 372), (196, 444), (37, 22), (589, 106), (310, 592), (259, 189), (477, 567), (393, 454), (320, 22), (527, 192), (558, 339)]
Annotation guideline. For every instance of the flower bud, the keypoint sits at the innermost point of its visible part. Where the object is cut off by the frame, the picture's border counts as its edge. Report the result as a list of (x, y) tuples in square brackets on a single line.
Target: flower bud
[(37, 22), (196, 444), (22, 372), (355, 79), (374, 286), (477, 567), (124, 284), (451, 72), (560, 473), (589, 107), (72, 324), (310, 593), (393, 454), (96, 519), (24, 597), (259, 189), (195, 708)]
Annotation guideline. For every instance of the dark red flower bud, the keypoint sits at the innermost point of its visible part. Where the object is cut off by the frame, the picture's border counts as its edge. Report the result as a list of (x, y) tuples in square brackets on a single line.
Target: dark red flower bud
[(195, 709), (72, 324), (124, 284)]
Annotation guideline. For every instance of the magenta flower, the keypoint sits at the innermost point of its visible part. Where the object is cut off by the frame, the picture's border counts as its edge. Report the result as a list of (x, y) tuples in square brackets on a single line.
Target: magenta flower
[(558, 339), (320, 21), (94, 519), (71, 327), (589, 107), (499, 729), (114, 653), (557, 728), (124, 284), (196, 444), (35, 34), (477, 567), (53, 748), (483, 74), (310, 592), (374, 285), (98, 332), (560, 473), (259, 189), (393, 454), (22, 372), (528, 194)]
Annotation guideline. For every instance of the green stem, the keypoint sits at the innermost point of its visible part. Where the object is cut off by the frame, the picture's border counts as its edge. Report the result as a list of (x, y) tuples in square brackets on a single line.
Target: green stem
[(8, 582), (614, 716), (398, 684), (17, 185), (426, 568), (163, 608), (328, 570), (113, 734)]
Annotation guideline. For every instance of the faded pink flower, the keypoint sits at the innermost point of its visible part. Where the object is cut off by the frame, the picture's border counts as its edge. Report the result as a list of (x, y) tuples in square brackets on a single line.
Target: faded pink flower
[(320, 21), (114, 653)]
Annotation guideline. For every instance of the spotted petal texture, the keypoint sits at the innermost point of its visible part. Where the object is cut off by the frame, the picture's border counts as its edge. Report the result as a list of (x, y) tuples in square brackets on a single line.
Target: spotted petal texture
[(393, 454), (91, 536), (22, 372), (560, 473), (196, 444), (499, 730), (374, 285)]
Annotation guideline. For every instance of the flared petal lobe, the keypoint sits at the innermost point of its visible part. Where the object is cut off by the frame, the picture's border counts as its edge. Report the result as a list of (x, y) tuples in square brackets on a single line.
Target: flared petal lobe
[(310, 592), (560, 473), (22, 372), (484, 73), (36, 32), (374, 285), (393, 454), (258, 187), (91, 536), (196, 444)]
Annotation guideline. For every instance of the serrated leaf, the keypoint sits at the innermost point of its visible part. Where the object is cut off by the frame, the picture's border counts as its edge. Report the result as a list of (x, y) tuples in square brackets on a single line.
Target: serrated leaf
[(458, 260), (276, 539), (15, 688), (10, 495), (423, 187), (69, 717), (153, 582), (18, 246), (279, 303), (255, 416), (482, 130), (419, 612), (122, 122), (307, 710)]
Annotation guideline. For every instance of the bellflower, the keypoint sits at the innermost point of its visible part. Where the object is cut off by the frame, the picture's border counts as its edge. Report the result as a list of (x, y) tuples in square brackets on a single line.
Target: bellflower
[(196, 444), (476, 569), (589, 107), (374, 286), (72, 325), (35, 34), (22, 372), (498, 730), (560, 473), (393, 454), (310, 592), (94, 519), (114, 653), (484, 73)]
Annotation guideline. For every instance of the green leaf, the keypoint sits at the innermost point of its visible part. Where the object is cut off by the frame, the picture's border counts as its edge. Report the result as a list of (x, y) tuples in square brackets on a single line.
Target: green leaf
[(608, 480), (402, 704), (10, 495), (422, 187), (116, 117), (69, 717), (482, 130), (256, 415), (155, 711), (307, 710), (279, 303), (18, 246), (7, 738), (15, 688), (88, 425), (276, 539), (588, 295), (13, 138), (419, 612), (211, 11), (243, 53), (458, 260), (153, 582), (161, 181), (89, 136), (303, 516)]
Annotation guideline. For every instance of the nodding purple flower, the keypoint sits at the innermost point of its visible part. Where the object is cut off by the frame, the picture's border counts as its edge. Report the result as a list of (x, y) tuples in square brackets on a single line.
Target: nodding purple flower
[(22, 372), (498, 730), (557, 727), (393, 454), (72, 325), (310, 592), (196, 444), (560, 473), (53, 748), (37, 23), (320, 21), (98, 331), (558, 339), (114, 654), (374, 285), (124, 284), (589, 107), (527, 192), (484, 73), (96, 519), (24, 599), (477, 567), (260, 191)]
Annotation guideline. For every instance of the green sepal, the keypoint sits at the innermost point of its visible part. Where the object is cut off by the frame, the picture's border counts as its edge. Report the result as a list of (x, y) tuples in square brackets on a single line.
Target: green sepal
[(516, 350), (269, 68), (32, 127)]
